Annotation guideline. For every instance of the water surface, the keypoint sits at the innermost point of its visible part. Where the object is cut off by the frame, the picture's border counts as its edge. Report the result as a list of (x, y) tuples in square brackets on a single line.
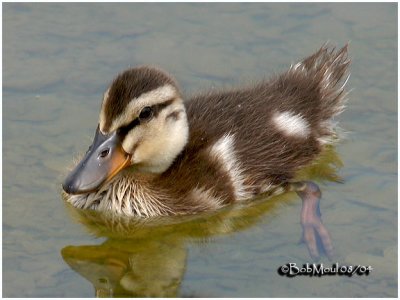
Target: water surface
[(57, 61)]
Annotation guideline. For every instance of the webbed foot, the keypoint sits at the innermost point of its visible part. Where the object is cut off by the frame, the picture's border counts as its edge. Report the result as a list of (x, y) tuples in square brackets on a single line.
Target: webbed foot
[(311, 222)]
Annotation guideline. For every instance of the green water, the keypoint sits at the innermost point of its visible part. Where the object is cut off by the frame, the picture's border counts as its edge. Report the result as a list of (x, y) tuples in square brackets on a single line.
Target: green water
[(57, 61)]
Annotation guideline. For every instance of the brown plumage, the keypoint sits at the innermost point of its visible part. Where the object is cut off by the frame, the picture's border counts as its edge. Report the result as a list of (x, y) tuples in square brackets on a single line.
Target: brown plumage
[(247, 112), (238, 143)]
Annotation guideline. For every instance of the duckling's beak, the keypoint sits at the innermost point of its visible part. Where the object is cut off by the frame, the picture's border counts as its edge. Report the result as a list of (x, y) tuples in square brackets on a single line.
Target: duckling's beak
[(104, 159)]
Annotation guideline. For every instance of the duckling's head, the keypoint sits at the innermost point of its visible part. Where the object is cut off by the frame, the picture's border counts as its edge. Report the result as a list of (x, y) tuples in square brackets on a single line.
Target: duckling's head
[(142, 124)]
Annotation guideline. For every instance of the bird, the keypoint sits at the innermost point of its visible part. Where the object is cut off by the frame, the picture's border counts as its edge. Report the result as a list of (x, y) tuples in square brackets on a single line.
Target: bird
[(158, 153)]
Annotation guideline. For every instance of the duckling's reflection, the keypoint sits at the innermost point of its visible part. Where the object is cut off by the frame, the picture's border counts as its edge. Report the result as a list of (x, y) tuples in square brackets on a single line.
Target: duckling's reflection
[(147, 257)]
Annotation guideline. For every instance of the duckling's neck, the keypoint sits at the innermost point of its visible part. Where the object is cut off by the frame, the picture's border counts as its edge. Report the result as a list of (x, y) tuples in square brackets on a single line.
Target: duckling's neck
[(127, 193)]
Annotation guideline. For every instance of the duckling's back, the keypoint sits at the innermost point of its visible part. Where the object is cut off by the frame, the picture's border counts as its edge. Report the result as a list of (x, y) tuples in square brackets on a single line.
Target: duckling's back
[(261, 135)]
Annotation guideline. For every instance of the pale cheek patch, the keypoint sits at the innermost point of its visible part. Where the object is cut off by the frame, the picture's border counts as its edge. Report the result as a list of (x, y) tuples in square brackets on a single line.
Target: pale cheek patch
[(291, 124)]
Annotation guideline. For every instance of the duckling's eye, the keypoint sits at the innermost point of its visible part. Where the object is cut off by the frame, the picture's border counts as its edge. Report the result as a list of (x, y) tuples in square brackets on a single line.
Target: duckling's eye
[(146, 113)]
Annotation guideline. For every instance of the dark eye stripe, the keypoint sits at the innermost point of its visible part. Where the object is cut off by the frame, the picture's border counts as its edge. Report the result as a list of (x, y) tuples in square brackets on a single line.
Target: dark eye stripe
[(123, 131)]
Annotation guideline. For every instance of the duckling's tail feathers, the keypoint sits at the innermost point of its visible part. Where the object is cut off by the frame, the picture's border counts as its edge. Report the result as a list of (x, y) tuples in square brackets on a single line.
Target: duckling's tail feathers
[(329, 63), (327, 72), (329, 68)]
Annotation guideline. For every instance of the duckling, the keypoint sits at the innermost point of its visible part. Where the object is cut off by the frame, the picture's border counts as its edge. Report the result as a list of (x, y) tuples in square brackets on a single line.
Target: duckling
[(155, 154)]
